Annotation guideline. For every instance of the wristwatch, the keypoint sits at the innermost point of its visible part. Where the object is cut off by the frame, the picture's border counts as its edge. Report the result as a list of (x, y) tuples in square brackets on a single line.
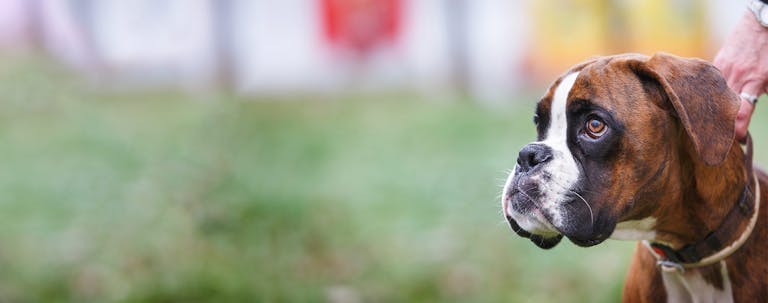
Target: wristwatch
[(760, 9)]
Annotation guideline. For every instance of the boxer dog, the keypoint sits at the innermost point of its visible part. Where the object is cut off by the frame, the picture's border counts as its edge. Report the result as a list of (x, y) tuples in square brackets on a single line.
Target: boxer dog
[(642, 148)]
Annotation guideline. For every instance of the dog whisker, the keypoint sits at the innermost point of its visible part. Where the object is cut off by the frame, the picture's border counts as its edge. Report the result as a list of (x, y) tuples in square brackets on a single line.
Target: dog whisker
[(591, 214), (522, 191)]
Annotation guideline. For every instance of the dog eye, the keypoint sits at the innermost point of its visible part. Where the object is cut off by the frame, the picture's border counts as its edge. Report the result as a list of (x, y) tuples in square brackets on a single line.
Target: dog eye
[(595, 128), (535, 119)]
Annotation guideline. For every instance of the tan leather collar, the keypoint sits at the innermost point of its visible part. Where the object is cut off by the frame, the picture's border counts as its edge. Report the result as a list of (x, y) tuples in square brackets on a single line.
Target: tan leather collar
[(693, 255)]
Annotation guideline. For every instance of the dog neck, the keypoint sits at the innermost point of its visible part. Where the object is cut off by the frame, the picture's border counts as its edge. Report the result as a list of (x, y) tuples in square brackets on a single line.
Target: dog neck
[(700, 197)]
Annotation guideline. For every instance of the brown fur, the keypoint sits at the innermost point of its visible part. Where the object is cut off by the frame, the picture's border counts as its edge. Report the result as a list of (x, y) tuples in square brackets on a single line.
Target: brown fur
[(747, 267), (701, 187), (680, 164)]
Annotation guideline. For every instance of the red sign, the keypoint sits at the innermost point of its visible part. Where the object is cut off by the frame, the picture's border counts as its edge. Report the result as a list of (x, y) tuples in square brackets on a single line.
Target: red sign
[(361, 25)]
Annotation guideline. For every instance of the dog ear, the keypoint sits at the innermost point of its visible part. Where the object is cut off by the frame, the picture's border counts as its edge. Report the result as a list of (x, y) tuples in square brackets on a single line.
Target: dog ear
[(701, 99)]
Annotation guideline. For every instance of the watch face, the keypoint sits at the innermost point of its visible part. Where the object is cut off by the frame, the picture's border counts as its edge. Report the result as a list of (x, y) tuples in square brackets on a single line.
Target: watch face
[(763, 16)]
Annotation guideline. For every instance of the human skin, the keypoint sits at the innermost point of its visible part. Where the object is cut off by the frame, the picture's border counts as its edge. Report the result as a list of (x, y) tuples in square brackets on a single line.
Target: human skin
[(743, 60)]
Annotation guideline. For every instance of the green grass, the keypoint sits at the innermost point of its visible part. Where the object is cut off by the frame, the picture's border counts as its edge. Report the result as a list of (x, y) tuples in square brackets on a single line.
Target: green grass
[(165, 197)]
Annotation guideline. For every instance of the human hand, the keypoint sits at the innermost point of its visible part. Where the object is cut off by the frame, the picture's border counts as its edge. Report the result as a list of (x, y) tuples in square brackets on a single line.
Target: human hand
[(743, 60)]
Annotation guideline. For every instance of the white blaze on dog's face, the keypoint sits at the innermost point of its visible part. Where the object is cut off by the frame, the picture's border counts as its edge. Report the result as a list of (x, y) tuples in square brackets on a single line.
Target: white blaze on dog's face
[(562, 167), (555, 174)]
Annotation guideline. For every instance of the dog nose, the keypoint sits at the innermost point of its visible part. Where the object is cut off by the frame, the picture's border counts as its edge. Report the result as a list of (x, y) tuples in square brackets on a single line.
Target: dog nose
[(532, 155)]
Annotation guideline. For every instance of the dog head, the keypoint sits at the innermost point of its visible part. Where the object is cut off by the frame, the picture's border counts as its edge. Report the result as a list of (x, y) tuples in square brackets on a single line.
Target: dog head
[(607, 133)]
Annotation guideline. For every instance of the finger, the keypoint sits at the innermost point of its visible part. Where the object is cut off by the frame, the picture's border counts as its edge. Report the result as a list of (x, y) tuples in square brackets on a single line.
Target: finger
[(746, 108), (739, 77), (726, 69), (752, 88), (720, 62), (735, 81)]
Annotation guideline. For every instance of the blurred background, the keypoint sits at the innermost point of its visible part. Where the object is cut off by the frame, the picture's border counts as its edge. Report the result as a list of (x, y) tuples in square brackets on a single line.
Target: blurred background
[(299, 150)]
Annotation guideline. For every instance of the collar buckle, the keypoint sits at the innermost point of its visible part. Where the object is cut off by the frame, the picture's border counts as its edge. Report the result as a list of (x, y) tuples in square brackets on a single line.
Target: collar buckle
[(669, 266)]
